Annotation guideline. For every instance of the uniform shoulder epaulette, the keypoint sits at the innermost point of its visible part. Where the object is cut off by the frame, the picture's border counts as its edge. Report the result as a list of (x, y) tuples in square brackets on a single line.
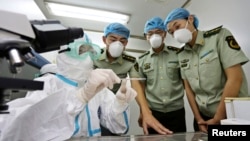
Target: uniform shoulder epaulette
[(173, 48), (129, 58), (212, 31), (146, 53), (180, 50)]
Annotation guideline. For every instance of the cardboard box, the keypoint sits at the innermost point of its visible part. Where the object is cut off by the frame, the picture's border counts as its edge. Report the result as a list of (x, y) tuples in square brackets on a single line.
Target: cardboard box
[(235, 121), (238, 107)]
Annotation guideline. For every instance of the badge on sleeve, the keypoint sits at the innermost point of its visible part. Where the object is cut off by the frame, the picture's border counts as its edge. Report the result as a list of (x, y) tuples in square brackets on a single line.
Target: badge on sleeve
[(146, 66), (136, 66), (232, 43)]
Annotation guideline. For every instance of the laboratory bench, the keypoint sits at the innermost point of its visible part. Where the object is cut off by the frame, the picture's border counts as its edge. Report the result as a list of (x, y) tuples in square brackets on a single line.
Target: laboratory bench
[(187, 136)]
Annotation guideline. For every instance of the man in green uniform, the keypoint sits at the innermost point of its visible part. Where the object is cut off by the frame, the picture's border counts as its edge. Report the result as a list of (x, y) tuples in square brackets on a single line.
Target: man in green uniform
[(114, 57), (211, 67), (160, 96)]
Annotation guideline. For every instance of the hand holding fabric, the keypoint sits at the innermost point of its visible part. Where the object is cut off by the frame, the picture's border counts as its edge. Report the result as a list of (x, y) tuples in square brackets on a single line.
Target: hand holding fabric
[(97, 80)]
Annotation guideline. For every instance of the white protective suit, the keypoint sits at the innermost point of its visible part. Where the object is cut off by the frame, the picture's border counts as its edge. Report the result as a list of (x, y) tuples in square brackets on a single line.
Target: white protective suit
[(73, 103)]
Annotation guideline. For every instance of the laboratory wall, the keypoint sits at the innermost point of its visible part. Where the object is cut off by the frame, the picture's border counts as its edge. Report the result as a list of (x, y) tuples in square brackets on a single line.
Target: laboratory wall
[(232, 14)]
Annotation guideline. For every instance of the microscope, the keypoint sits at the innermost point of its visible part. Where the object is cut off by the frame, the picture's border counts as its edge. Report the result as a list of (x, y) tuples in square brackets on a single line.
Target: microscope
[(20, 44)]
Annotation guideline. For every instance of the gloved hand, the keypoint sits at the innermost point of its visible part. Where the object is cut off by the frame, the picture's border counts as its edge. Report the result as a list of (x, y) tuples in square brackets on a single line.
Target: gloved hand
[(97, 80), (125, 93)]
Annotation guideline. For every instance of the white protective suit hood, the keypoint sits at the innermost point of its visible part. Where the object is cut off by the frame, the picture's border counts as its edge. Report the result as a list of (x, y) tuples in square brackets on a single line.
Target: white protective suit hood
[(75, 61), (74, 69)]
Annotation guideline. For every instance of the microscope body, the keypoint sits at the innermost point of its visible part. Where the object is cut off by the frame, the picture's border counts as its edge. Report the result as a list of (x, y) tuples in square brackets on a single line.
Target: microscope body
[(12, 50), (21, 44)]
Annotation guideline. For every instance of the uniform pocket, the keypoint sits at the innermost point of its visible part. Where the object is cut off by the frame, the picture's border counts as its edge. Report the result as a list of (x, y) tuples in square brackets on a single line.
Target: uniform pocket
[(210, 65), (150, 74), (173, 70), (187, 70)]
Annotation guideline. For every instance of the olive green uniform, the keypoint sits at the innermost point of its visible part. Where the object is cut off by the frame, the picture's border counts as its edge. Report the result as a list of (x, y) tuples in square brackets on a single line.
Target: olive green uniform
[(164, 88), (121, 66), (203, 66)]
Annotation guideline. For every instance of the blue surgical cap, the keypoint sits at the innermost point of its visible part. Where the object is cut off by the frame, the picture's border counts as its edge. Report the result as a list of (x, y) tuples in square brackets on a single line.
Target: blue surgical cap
[(117, 28), (179, 13), (154, 23)]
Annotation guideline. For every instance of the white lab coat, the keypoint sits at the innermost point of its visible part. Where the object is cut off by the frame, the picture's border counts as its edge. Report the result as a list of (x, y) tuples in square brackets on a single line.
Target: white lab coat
[(56, 114)]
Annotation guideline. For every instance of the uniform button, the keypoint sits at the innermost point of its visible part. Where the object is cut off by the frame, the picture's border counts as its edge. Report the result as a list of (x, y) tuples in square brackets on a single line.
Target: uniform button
[(163, 100), (162, 88), (160, 67), (203, 102), (195, 65), (161, 77), (207, 60), (197, 78)]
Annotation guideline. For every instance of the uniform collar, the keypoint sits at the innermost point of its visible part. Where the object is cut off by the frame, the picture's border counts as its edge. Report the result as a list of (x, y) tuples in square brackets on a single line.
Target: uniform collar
[(151, 51), (199, 40), (104, 56)]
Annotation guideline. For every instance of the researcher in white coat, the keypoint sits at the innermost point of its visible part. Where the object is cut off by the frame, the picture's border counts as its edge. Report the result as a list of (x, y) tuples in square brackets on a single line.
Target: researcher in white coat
[(73, 103)]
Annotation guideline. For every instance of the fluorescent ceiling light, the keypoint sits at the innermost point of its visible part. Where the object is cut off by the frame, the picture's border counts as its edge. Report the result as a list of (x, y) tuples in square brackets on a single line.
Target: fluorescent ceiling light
[(86, 13)]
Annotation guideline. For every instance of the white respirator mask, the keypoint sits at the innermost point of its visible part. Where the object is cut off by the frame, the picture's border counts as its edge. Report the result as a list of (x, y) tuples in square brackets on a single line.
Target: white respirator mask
[(155, 40), (116, 49), (183, 35)]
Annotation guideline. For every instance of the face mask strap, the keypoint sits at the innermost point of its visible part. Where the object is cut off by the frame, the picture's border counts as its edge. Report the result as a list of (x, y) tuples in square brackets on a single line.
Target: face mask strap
[(186, 27), (186, 24), (193, 31)]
